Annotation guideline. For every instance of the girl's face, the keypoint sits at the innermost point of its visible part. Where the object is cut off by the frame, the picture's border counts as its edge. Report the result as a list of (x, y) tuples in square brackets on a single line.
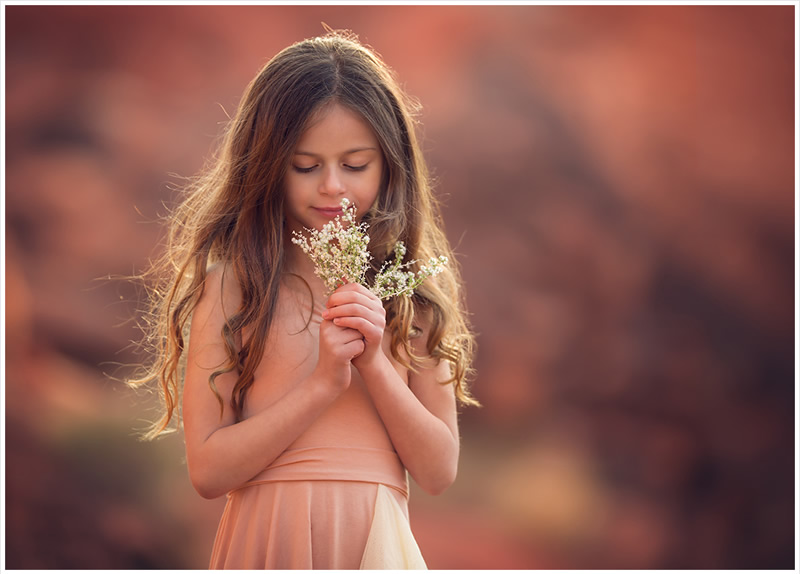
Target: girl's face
[(337, 156)]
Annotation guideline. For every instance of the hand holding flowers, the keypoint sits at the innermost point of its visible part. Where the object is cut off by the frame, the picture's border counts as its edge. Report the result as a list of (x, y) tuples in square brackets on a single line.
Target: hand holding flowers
[(340, 255), (353, 306), (341, 259)]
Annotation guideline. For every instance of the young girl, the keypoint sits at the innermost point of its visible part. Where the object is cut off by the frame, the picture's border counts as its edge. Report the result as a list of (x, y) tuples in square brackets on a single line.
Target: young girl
[(305, 409)]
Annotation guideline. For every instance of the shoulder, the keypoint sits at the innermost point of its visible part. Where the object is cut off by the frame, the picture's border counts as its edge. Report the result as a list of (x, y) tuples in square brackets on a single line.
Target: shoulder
[(221, 294), (221, 284), (429, 378), (424, 327), (421, 328)]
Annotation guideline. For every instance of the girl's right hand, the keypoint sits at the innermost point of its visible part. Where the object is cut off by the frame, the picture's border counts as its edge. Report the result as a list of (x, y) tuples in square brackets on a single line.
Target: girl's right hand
[(337, 347)]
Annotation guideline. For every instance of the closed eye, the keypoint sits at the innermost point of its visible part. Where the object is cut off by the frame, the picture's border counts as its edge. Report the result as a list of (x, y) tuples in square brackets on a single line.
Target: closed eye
[(299, 169), (303, 169)]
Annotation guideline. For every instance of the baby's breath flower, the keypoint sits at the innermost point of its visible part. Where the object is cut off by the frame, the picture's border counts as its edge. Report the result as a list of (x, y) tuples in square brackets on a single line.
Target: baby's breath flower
[(340, 255)]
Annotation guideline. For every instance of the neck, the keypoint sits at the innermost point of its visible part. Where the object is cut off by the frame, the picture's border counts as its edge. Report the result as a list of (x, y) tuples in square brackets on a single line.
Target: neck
[(300, 264)]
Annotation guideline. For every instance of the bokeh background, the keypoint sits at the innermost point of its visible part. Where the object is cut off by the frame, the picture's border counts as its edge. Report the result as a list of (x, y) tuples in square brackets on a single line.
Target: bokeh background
[(619, 184)]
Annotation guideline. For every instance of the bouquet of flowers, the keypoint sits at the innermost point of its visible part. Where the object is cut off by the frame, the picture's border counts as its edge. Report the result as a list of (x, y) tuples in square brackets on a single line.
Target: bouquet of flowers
[(340, 255)]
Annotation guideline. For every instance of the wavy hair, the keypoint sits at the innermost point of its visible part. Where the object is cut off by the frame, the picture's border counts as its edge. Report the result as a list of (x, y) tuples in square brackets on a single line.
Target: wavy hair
[(233, 213)]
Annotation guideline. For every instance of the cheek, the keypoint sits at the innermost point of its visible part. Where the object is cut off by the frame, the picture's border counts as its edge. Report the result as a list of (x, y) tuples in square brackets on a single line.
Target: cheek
[(378, 180), (371, 189), (293, 197), (295, 189)]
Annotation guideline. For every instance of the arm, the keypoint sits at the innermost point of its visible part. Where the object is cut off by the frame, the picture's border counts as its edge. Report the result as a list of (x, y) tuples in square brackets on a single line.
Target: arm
[(221, 453), (420, 417)]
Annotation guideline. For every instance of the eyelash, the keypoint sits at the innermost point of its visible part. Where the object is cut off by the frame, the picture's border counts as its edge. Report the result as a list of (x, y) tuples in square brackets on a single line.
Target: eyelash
[(313, 167)]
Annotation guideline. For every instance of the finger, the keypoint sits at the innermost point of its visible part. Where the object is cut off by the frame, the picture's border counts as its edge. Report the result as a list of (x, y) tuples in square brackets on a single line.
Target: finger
[(354, 310), (338, 334), (370, 331), (358, 288), (350, 296), (342, 333), (355, 348)]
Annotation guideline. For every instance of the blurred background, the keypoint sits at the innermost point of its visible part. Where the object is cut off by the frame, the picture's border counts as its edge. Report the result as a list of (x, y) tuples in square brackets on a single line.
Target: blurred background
[(619, 184)]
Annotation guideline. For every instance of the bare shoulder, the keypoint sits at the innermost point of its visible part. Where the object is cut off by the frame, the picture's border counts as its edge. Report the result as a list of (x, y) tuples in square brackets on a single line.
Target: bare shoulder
[(427, 369), (428, 379), (420, 335), (206, 355), (220, 299), (221, 288)]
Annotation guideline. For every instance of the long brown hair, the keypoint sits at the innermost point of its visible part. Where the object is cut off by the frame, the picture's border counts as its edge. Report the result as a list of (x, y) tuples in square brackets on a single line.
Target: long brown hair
[(233, 213)]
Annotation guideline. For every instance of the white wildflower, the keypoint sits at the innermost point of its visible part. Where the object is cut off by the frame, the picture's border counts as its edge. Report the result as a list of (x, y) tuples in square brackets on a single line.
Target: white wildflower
[(340, 255)]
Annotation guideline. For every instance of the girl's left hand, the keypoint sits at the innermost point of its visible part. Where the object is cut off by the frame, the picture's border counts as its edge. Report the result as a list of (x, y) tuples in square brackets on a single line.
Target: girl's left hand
[(354, 306)]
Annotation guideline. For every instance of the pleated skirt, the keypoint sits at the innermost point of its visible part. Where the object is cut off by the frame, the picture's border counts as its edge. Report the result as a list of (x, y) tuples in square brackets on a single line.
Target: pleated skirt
[(320, 508)]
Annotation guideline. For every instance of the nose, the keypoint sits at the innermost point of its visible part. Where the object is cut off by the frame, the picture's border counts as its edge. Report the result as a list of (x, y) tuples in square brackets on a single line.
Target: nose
[(332, 182)]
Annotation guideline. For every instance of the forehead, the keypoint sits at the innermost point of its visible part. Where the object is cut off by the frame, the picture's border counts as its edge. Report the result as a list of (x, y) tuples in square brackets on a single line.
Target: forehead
[(336, 128)]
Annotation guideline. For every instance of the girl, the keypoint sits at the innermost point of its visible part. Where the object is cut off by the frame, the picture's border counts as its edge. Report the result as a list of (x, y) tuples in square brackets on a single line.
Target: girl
[(307, 411)]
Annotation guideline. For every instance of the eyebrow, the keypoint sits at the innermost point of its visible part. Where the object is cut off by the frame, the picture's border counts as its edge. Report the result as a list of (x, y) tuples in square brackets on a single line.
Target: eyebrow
[(348, 152)]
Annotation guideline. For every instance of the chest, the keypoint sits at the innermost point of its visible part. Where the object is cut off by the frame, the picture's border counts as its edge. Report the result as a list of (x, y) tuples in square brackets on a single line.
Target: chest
[(291, 352)]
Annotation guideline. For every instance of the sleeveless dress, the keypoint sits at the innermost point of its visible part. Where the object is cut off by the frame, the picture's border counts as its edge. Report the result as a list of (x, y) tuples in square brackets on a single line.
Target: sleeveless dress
[(337, 498)]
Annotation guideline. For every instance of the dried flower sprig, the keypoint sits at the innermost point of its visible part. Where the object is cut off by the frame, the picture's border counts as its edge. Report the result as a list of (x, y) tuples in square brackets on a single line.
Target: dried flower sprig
[(393, 279), (340, 255), (338, 250)]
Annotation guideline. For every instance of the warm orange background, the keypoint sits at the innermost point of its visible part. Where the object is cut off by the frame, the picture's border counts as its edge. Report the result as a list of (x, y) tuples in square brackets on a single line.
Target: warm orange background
[(619, 183)]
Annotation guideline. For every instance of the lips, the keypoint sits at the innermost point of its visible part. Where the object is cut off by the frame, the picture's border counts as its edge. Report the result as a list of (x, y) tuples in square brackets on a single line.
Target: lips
[(330, 212)]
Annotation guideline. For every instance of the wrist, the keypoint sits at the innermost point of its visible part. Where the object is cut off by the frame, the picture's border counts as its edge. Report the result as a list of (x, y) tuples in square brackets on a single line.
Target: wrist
[(373, 367), (329, 383)]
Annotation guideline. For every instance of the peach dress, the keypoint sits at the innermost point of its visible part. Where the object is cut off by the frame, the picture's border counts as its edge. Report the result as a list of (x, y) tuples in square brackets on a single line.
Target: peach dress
[(337, 498)]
